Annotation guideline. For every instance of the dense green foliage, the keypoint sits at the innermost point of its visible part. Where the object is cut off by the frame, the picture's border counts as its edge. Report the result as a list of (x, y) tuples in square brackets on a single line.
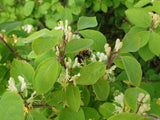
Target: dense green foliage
[(79, 59)]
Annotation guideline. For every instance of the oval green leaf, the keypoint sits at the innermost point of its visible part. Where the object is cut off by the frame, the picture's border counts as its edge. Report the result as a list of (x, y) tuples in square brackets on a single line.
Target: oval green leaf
[(126, 116), (43, 44), (22, 68), (11, 107), (41, 33), (73, 97), (107, 110), (78, 44), (131, 96), (133, 70), (67, 114), (101, 89), (154, 43), (45, 75), (139, 17), (98, 38), (28, 8), (91, 73), (90, 113), (131, 43), (86, 22)]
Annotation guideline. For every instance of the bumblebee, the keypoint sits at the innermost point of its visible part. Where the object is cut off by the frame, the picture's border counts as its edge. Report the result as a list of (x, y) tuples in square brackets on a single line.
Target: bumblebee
[(82, 55)]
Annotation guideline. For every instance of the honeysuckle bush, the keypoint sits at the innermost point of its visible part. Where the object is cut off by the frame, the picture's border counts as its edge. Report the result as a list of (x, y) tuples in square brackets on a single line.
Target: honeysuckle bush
[(44, 75)]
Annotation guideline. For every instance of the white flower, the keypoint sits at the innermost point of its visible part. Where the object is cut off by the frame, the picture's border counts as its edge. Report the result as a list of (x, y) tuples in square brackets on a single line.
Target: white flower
[(74, 78), (118, 44), (76, 63), (93, 59), (23, 86), (58, 28), (12, 86), (147, 97), (107, 49), (144, 108), (74, 36), (101, 56), (68, 64), (141, 95), (27, 28), (119, 99), (31, 99)]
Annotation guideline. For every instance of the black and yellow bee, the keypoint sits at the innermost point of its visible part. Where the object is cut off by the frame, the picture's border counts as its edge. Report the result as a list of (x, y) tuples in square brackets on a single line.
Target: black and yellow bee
[(82, 55)]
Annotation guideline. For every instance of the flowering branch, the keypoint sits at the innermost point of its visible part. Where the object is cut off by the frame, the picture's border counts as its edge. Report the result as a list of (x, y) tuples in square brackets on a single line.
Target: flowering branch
[(12, 51)]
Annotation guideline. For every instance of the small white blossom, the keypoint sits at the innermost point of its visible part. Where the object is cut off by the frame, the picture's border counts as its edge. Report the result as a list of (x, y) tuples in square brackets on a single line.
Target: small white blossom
[(119, 99), (58, 28), (101, 56), (74, 78), (69, 63), (141, 95), (23, 86), (144, 108), (27, 28), (147, 97), (93, 59), (107, 49), (118, 45), (76, 63), (74, 36), (118, 109), (64, 78), (12, 86), (31, 99)]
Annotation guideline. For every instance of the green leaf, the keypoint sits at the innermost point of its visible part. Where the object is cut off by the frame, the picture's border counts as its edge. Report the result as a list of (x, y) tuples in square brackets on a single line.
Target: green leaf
[(78, 44), (35, 115), (91, 73), (67, 114), (146, 53), (126, 116), (154, 43), (131, 43), (144, 37), (139, 17), (43, 44), (133, 70), (90, 113), (45, 75), (104, 6), (86, 22), (98, 38), (155, 108), (142, 3), (79, 2), (55, 98), (9, 26), (23, 69), (73, 97), (67, 15), (41, 33), (131, 96), (3, 70), (101, 89), (28, 8), (156, 6), (85, 95), (107, 110), (11, 107)]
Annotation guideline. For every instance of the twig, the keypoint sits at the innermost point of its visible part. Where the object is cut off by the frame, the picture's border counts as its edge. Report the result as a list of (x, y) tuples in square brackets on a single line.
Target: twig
[(12, 51)]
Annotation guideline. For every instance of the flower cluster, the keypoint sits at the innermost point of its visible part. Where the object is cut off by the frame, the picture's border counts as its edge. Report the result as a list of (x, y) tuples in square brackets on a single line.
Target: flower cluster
[(144, 106), (155, 19), (27, 28), (67, 31), (65, 78), (12, 86), (119, 103)]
